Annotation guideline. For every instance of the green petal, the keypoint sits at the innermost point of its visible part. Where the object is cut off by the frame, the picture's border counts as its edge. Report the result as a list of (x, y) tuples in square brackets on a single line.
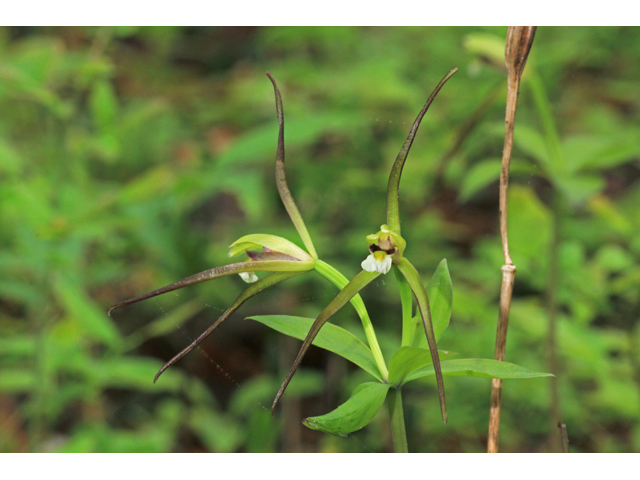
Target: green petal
[(355, 413), (393, 214), (347, 293), (251, 266), (255, 288), (281, 179), (272, 242), (412, 276)]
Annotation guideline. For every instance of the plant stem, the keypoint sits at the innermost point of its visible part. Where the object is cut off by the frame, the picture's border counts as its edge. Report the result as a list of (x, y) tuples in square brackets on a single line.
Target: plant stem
[(564, 436), (519, 41), (396, 415), (340, 281)]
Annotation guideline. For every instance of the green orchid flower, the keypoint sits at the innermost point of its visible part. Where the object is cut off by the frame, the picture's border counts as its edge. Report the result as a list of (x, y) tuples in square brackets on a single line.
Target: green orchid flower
[(269, 253), (386, 249)]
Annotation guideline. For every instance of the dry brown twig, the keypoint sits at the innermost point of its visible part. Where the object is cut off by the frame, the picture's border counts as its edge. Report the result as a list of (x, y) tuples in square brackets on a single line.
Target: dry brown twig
[(519, 41)]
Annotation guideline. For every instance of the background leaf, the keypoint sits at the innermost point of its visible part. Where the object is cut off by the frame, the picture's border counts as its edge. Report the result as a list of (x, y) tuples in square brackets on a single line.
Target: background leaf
[(479, 367)]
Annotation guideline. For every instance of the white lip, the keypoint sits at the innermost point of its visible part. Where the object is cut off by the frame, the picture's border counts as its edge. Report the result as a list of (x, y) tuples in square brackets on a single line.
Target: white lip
[(370, 264), (249, 277)]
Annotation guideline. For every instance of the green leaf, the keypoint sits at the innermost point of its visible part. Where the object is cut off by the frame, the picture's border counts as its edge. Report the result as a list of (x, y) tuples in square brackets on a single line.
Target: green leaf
[(220, 433), (96, 324), (10, 159), (598, 152), (533, 144), (164, 324), (525, 210), (478, 177), (18, 345), (302, 129), (136, 374), (579, 188), (104, 105), (17, 381), (486, 44), (331, 337), (486, 172), (147, 185), (355, 413), (407, 360), (440, 293), (479, 367)]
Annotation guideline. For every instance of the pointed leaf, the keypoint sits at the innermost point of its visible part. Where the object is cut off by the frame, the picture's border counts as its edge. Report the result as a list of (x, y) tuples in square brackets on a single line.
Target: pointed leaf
[(331, 337), (440, 294), (77, 303), (355, 413), (407, 360), (479, 367)]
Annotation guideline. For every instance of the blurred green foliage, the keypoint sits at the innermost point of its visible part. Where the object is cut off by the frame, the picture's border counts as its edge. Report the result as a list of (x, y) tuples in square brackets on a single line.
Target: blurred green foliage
[(132, 157)]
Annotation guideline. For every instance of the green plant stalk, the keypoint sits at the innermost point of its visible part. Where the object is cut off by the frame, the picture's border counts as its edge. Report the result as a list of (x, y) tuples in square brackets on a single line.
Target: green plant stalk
[(406, 297), (396, 415), (340, 281)]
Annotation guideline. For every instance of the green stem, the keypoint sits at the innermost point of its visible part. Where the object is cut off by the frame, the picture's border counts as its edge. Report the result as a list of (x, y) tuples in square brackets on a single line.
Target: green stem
[(340, 281), (406, 297), (396, 415)]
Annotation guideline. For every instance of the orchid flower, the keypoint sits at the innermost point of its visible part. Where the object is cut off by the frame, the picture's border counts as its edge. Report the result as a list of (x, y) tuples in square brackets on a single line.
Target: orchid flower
[(386, 249), (269, 253)]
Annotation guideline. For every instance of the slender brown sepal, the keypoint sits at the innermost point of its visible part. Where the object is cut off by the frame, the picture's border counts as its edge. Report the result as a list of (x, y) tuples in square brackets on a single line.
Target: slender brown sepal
[(393, 209), (413, 278), (281, 179), (347, 293), (251, 266), (252, 290)]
